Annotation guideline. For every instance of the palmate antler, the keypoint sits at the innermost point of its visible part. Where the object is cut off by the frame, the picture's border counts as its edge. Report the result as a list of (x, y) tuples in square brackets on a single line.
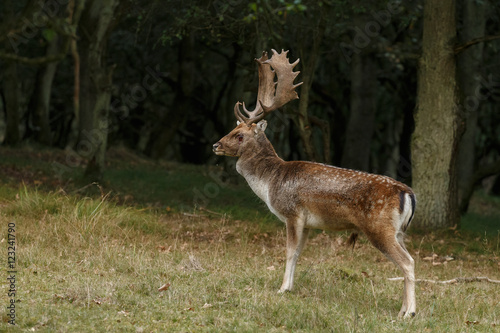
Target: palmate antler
[(271, 94)]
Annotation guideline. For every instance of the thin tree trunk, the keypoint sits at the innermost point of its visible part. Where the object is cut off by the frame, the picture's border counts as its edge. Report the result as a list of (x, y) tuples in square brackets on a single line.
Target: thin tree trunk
[(171, 120), (95, 85), (75, 10), (40, 104), (435, 140), (302, 119), (360, 127), (309, 57), (392, 151), (468, 73), (10, 90), (12, 107), (324, 126)]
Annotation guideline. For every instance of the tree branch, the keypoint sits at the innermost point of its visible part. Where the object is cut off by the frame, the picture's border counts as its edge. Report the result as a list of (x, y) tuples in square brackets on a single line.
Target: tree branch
[(466, 45), (33, 61), (452, 281), (68, 31), (13, 23)]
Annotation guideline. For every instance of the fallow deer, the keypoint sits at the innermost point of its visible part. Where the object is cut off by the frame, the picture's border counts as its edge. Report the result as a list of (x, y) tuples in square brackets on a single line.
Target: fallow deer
[(307, 195)]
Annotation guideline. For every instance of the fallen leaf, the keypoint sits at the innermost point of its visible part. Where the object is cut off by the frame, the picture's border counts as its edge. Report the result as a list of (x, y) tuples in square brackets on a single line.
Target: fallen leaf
[(271, 268), (164, 287), (474, 322), (431, 258), (207, 305)]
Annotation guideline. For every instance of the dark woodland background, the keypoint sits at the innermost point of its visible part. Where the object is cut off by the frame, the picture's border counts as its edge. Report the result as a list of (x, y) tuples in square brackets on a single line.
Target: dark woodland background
[(161, 78)]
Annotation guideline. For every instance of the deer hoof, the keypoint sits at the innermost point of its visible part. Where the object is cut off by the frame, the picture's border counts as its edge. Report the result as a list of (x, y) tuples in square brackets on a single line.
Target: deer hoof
[(406, 314)]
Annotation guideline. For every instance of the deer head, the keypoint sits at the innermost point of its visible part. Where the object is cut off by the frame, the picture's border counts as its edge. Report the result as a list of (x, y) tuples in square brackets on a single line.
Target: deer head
[(276, 88)]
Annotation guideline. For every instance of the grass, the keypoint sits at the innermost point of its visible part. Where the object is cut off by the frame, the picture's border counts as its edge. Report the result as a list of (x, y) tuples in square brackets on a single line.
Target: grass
[(130, 179), (95, 263)]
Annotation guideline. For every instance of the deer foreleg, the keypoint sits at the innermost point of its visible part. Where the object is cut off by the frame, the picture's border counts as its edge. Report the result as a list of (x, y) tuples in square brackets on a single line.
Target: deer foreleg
[(296, 236)]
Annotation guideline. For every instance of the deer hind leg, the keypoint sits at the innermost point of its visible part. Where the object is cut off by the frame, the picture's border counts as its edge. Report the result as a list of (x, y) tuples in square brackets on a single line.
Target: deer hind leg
[(409, 283), (391, 244), (296, 236)]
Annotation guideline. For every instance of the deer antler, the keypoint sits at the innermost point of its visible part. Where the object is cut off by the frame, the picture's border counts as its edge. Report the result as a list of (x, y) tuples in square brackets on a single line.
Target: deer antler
[(271, 95)]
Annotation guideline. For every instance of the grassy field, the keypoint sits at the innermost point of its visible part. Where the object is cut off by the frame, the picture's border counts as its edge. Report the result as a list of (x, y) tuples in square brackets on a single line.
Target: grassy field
[(92, 258)]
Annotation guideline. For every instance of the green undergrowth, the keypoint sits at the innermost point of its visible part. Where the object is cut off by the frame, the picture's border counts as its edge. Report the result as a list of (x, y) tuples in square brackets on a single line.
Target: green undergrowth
[(134, 180)]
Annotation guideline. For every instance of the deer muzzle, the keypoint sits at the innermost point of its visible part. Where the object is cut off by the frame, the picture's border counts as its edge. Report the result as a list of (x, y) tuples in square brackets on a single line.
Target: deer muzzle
[(217, 148)]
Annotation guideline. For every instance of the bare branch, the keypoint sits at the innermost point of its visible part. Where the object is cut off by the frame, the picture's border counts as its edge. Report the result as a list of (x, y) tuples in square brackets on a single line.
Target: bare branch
[(466, 45), (69, 32), (452, 281), (33, 61)]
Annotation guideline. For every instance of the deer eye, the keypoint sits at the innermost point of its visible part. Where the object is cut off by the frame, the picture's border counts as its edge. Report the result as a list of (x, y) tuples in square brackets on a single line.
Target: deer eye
[(240, 138)]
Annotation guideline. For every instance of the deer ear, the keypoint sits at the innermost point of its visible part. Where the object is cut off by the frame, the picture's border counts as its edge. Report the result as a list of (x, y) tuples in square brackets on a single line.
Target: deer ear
[(261, 126)]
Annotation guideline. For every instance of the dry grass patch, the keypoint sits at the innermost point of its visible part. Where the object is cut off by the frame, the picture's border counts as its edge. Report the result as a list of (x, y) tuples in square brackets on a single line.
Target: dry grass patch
[(91, 265)]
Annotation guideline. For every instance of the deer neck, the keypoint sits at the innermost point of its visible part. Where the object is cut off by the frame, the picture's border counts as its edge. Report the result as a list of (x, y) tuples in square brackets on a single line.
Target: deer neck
[(258, 164)]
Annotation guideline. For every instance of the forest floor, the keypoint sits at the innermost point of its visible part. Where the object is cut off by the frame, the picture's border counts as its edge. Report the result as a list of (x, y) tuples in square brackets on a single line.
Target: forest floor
[(163, 247)]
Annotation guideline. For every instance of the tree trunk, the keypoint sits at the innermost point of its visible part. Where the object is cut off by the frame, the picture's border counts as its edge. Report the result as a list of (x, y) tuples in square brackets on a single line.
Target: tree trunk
[(95, 85), (40, 102), (12, 107), (10, 89), (172, 119), (359, 132), (468, 73), (435, 140), (302, 119), (391, 152), (309, 54)]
